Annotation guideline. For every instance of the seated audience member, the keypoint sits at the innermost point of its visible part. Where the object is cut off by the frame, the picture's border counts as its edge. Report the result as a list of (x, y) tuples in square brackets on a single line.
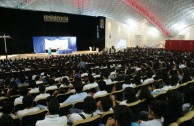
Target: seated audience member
[(147, 96), (33, 89), (104, 105), (155, 113), (106, 79), (28, 104), (23, 92), (65, 82), (102, 87), (149, 78), (92, 84), (12, 89), (122, 116), (42, 94), (129, 96), (23, 82), (173, 111), (53, 118), (89, 110), (6, 120), (52, 85), (79, 94), (127, 83), (7, 108)]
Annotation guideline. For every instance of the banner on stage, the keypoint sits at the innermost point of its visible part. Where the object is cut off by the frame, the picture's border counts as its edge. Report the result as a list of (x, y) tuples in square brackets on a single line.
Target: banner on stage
[(42, 44)]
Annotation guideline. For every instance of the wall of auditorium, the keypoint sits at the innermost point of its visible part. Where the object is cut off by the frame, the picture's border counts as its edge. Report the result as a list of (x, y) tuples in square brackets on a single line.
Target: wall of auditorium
[(136, 36), (22, 25), (185, 34)]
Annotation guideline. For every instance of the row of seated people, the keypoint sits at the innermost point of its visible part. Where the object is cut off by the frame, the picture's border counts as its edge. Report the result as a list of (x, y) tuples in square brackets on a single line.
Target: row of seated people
[(129, 95)]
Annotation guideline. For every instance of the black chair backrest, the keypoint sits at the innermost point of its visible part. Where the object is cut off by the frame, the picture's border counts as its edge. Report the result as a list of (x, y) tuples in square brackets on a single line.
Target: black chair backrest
[(105, 117), (92, 121), (62, 97), (41, 102), (18, 107), (32, 118), (64, 109), (78, 105)]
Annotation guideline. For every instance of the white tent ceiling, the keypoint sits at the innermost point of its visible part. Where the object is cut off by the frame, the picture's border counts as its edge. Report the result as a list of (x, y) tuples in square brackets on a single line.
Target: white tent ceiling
[(168, 16)]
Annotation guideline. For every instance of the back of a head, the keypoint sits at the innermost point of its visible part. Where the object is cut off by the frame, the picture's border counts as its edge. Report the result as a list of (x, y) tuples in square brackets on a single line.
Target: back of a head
[(91, 79), (145, 93), (7, 107), (157, 107), (65, 81), (27, 101), (53, 106), (130, 94), (89, 105), (106, 103), (175, 101), (42, 88), (102, 85), (23, 91), (6, 120), (78, 87), (122, 115)]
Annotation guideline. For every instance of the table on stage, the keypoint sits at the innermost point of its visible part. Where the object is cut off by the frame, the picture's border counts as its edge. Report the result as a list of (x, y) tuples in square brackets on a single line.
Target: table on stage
[(64, 51)]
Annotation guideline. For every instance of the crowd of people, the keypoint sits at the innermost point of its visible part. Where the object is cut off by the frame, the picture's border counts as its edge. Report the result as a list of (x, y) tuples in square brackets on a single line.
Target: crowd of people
[(89, 76)]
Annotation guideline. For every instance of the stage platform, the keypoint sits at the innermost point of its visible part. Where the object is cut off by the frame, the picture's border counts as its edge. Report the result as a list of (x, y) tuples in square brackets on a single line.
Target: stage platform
[(44, 55)]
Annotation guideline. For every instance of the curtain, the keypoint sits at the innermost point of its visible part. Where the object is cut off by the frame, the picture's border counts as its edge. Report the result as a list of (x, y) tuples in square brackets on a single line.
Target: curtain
[(179, 45)]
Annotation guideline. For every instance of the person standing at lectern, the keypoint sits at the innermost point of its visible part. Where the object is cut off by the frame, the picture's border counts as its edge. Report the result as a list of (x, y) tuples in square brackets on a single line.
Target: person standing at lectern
[(49, 52)]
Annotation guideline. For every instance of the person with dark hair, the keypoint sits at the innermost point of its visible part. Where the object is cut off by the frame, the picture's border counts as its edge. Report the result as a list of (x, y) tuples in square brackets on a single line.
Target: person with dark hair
[(42, 93), (79, 94), (104, 105), (129, 96), (89, 110), (122, 116), (92, 84), (6, 120), (28, 104), (7, 108), (65, 82), (53, 118), (127, 83), (23, 92), (174, 110), (155, 112), (102, 87), (51, 83)]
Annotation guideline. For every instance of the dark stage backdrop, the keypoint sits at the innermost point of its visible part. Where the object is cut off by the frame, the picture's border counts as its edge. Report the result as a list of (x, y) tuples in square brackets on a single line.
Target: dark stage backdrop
[(22, 25)]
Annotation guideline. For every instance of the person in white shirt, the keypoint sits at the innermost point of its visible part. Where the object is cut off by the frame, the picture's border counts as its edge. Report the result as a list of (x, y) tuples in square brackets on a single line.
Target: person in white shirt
[(92, 84), (53, 118), (89, 110), (106, 79), (28, 104), (42, 94), (102, 87), (52, 85), (155, 112), (23, 92), (78, 96)]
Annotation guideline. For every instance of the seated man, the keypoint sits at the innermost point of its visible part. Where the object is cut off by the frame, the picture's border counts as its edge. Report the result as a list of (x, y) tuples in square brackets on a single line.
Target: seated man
[(78, 96), (28, 104), (42, 93), (53, 119), (89, 110), (23, 92)]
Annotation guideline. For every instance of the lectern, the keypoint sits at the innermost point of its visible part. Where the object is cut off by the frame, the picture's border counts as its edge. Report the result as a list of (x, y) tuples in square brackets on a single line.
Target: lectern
[(5, 43)]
